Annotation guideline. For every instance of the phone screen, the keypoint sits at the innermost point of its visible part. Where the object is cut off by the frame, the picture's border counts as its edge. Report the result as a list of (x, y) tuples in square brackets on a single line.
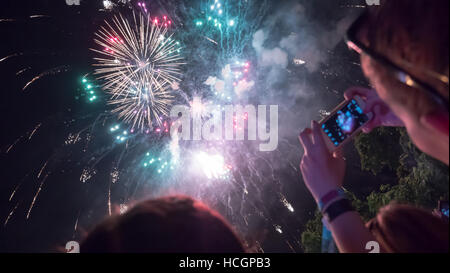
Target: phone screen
[(344, 122), (444, 209)]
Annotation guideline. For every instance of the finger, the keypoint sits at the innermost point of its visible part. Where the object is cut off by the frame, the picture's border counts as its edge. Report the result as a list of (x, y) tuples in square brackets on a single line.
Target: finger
[(370, 125), (305, 139), (367, 129), (305, 163), (370, 105), (302, 164), (374, 106), (354, 91), (317, 136), (339, 153), (303, 167)]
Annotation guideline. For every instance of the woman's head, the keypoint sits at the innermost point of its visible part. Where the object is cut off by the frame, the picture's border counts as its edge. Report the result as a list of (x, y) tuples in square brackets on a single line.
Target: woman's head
[(413, 34), (168, 225), (406, 229)]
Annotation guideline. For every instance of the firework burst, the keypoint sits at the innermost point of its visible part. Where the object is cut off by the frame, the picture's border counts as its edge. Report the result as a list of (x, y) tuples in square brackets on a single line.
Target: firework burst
[(139, 65)]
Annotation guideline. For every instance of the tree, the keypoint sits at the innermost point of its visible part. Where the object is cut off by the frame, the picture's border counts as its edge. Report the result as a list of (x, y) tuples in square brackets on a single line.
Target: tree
[(312, 235), (379, 149)]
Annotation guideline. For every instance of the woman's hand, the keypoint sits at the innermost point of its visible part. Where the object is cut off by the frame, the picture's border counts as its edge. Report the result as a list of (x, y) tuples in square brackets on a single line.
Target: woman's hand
[(382, 113), (322, 171)]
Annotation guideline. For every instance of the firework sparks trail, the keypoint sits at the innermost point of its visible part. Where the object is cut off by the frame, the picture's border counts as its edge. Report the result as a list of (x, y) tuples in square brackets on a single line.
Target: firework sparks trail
[(49, 72), (34, 130), (140, 63), (11, 214), (30, 135), (123, 208), (37, 16), (22, 71), (42, 169), (87, 174), (109, 199), (14, 192), (211, 40), (14, 144), (36, 196), (287, 204), (230, 24), (10, 56), (114, 175), (76, 224)]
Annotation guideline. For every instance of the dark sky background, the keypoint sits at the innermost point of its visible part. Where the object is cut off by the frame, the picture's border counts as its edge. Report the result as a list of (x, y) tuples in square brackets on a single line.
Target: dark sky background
[(62, 39)]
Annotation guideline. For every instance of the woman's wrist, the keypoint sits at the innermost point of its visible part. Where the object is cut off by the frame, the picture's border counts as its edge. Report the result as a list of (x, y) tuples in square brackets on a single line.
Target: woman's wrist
[(330, 197), (324, 194), (319, 193), (337, 208)]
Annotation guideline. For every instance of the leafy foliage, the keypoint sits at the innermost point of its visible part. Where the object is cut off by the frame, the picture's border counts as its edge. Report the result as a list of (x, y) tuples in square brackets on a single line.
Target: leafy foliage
[(379, 149), (424, 186), (312, 236)]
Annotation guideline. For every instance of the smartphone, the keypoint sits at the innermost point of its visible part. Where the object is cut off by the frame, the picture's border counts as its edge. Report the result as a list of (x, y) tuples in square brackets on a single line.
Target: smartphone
[(344, 123), (443, 208)]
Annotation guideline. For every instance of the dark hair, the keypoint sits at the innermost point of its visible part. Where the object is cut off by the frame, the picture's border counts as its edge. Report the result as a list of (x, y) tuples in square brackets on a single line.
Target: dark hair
[(174, 224), (406, 229), (416, 31), (414, 35)]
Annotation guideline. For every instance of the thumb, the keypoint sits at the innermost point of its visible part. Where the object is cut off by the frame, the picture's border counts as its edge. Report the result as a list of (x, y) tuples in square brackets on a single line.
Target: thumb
[(339, 154), (371, 105), (375, 121)]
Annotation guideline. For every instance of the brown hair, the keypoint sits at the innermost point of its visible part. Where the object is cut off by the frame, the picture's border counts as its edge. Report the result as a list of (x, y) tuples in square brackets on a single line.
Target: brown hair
[(175, 224), (406, 229), (415, 31)]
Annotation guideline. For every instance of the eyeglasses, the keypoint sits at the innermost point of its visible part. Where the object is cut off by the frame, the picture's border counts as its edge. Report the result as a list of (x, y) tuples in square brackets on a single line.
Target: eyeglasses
[(399, 73)]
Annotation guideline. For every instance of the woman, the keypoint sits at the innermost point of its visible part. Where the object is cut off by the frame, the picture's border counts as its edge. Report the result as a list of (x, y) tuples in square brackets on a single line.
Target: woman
[(404, 48)]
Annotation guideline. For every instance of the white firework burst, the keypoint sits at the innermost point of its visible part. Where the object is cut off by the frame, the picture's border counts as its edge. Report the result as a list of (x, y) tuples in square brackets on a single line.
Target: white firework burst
[(139, 64)]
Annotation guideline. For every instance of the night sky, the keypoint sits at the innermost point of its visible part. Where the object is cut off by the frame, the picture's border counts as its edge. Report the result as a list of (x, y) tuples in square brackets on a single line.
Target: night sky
[(61, 36)]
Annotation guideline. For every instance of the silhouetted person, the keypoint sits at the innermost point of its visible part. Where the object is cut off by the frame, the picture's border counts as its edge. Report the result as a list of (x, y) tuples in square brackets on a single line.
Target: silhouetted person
[(175, 224), (406, 229)]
